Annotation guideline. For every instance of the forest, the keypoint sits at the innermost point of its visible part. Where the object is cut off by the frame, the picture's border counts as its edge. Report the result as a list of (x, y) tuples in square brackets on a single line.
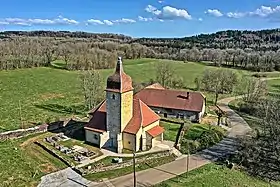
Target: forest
[(251, 50)]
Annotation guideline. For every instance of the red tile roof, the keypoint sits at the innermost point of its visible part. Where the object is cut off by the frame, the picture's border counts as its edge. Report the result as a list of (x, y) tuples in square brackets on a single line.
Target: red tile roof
[(156, 86), (172, 99), (155, 131), (119, 81), (142, 116), (98, 121)]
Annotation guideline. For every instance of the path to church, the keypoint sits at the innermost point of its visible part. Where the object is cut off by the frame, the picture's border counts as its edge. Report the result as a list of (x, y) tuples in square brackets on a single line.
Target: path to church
[(156, 175)]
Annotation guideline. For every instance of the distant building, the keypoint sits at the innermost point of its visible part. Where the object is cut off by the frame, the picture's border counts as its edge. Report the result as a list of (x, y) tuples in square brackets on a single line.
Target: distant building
[(123, 121)]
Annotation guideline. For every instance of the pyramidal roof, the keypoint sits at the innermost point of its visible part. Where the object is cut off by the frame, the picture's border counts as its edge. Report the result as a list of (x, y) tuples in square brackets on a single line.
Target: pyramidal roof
[(119, 81)]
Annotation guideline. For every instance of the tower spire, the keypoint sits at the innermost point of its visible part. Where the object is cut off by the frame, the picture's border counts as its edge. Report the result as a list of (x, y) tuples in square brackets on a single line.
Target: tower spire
[(119, 67)]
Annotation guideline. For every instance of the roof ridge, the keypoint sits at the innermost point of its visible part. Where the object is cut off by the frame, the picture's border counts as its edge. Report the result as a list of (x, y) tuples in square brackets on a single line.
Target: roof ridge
[(147, 106), (98, 106)]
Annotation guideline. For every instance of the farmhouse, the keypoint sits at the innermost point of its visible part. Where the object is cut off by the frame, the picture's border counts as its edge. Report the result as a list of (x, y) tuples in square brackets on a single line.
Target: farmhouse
[(174, 103), (127, 121)]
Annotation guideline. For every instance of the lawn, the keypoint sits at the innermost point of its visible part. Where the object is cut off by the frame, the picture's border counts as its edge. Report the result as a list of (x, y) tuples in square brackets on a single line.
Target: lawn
[(37, 95), (23, 163), (171, 130), (215, 175)]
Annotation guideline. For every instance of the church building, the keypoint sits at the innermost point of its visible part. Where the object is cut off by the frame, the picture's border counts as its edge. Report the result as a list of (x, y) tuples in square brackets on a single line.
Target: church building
[(123, 121)]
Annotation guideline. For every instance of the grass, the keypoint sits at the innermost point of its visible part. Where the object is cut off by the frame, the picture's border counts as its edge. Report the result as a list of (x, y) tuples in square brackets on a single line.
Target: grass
[(215, 175), (171, 130), (31, 96), (193, 133), (23, 163), (127, 170)]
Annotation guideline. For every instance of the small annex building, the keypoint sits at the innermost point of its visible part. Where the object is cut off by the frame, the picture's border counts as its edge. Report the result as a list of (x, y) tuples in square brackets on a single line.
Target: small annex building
[(123, 121)]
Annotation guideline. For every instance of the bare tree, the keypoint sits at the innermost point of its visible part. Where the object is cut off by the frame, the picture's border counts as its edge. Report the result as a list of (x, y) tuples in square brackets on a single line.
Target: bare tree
[(164, 73), (92, 85), (219, 81), (260, 153)]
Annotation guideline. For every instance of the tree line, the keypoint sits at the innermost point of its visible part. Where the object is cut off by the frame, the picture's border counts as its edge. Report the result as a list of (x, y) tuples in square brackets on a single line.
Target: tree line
[(259, 50)]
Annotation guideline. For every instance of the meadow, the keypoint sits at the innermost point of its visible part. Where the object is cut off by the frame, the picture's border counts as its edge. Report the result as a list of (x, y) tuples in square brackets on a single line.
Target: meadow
[(32, 96), (215, 175)]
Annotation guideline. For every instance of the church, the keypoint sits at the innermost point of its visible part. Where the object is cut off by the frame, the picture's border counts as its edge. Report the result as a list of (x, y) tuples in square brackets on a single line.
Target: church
[(123, 121)]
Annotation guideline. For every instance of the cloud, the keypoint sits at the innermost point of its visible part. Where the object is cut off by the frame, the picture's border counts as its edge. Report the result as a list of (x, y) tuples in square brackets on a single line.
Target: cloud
[(236, 14), (140, 18), (214, 12), (28, 22), (168, 13), (271, 13), (107, 22), (4, 23), (95, 22), (265, 11), (200, 19), (124, 20), (153, 10), (160, 2)]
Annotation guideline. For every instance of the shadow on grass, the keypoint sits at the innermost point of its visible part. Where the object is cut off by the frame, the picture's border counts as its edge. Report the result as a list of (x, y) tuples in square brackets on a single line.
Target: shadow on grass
[(74, 109), (73, 129)]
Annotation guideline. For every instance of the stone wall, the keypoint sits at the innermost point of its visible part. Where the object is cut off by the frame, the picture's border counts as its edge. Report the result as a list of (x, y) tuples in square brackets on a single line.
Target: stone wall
[(23, 132), (99, 167), (173, 113), (113, 101)]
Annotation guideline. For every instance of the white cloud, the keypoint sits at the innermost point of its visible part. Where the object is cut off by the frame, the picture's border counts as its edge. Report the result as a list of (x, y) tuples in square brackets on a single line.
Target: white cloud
[(153, 10), (28, 22), (95, 22), (124, 20), (140, 18), (4, 23), (160, 2), (214, 12), (200, 19), (262, 12), (168, 12), (236, 14), (265, 11), (107, 22)]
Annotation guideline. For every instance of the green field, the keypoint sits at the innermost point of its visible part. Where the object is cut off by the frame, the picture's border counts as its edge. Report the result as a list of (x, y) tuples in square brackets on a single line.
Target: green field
[(215, 175), (43, 93), (23, 163), (30, 96)]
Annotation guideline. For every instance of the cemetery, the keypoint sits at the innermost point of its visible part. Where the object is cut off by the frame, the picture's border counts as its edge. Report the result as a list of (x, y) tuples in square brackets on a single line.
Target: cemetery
[(72, 151)]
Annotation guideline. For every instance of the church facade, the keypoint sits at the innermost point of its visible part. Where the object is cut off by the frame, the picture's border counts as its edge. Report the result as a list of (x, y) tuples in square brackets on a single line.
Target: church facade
[(123, 121)]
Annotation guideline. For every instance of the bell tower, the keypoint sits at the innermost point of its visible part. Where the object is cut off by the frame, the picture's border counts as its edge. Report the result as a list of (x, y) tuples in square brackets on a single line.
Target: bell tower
[(119, 104)]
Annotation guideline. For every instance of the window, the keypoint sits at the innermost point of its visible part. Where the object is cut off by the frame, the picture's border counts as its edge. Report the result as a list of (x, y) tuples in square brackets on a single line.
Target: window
[(95, 137), (113, 97), (128, 142)]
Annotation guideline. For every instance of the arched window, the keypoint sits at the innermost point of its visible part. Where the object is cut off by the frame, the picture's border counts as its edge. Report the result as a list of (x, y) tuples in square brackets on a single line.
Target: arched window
[(113, 97)]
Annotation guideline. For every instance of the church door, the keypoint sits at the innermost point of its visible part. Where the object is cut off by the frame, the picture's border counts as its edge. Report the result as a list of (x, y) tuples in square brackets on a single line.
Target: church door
[(141, 143)]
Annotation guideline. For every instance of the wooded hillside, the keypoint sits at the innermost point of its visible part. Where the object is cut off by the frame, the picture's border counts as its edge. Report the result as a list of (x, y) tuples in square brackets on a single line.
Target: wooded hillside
[(254, 50)]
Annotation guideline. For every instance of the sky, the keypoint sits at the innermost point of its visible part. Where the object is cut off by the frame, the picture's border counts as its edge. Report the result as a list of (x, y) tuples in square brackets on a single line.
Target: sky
[(140, 18)]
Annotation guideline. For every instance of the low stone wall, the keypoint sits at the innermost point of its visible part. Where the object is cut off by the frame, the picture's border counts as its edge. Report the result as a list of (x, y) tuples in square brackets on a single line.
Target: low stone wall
[(99, 167), (77, 170), (23, 132)]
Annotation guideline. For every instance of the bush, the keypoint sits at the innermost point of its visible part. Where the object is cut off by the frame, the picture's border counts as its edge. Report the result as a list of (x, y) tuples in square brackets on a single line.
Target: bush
[(207, 139)]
